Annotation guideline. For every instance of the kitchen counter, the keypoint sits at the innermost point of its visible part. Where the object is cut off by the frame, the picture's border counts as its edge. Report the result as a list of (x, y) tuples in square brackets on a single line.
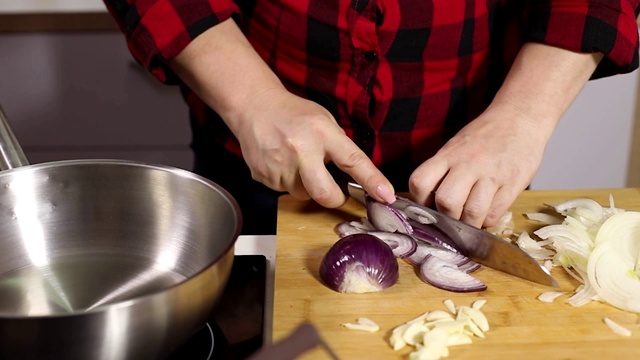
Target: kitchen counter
[(54, 15), (521, 326)]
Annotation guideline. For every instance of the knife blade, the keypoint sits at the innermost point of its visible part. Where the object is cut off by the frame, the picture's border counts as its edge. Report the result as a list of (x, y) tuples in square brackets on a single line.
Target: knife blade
[(477, 244)]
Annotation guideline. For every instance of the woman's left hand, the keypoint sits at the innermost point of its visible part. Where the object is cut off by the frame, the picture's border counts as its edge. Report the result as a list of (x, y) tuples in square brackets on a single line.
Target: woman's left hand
[(478, 173)]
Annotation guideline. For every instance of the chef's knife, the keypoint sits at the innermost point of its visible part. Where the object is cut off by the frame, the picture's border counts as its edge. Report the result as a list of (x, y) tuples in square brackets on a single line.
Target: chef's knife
[(479, 245)]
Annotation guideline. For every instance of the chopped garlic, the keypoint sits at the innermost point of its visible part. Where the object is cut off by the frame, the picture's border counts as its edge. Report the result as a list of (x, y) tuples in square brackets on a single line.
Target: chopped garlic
[(363, 324), (550, 296), (476, 316), (414, 333), (433, 332), (438, 315), (458, 339), (617, 328), (478, 304), (448, 303)]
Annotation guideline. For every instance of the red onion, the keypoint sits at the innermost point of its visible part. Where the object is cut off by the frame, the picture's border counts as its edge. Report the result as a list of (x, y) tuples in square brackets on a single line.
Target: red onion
[(469, 267), (433, 235), (402, 245), (419, 214), (423, 250), (359, 263), (387, 218), (444, 275)]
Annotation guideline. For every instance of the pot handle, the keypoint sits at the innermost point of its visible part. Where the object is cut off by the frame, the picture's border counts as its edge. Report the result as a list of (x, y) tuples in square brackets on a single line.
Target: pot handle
[(11, 154)]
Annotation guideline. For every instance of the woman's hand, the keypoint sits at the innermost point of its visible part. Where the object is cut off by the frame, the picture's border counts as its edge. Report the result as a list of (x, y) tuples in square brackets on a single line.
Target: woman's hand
[(285, 140), (478, 174)]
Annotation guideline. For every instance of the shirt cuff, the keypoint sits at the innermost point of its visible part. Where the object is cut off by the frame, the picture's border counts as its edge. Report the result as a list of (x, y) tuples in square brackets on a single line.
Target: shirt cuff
[(587, 27)]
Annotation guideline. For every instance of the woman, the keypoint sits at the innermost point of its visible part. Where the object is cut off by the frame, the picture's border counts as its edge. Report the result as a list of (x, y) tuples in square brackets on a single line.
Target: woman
[(453, 101)]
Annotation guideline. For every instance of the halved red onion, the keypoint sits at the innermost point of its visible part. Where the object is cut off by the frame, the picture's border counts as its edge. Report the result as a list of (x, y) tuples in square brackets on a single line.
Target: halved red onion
[(447, 276), (402, 245), (359, 263), (387, 218)]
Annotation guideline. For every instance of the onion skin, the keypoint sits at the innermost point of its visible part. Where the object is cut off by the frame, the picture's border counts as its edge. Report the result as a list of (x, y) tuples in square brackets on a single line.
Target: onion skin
[(359, 263)]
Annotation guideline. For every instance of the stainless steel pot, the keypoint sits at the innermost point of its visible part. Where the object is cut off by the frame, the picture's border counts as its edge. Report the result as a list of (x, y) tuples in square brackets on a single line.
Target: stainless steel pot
[(107, 259)]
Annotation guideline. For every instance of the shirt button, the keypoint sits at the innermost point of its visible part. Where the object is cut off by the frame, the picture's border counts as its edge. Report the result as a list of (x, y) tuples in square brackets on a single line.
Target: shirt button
[(371, 56)]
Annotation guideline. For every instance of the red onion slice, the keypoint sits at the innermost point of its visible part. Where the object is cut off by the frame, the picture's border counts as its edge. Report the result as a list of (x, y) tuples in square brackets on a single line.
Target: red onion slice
[(402, 245), (433, 235), (447, 276), (354, 227), (423, 250), (417, 213), (387, 218), (469, 267)]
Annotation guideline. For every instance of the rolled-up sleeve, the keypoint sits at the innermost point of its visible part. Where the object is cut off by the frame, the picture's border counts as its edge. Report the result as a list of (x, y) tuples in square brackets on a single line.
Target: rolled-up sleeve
[(158, 30), (607, 26)]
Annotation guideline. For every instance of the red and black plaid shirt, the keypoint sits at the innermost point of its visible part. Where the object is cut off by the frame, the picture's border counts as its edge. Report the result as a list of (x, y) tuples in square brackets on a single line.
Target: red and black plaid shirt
[(400, 76)]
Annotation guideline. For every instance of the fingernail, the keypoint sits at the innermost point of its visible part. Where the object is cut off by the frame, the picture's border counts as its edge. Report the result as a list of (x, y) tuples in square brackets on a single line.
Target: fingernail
[(385, 193)]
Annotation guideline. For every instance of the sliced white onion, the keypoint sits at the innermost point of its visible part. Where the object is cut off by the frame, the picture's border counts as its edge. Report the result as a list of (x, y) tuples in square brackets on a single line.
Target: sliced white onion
[(504, 225), (534, 248), (598, 246), (612, 267), (617, 328), (590, 205), (550, 296), (543, 218)]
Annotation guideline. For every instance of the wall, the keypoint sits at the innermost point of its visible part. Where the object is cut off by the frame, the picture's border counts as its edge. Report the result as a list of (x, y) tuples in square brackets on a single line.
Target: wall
[(591, 146), (81, 95)]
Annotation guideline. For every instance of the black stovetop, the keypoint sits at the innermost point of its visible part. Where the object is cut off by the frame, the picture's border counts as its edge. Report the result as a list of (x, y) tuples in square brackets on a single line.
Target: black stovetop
[(235, 328)]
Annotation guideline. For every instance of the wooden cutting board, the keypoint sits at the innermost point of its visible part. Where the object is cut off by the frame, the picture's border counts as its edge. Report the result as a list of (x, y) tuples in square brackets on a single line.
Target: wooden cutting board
[(522, 327)]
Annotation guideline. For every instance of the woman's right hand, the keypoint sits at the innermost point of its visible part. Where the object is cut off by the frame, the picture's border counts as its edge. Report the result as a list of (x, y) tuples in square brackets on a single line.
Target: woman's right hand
[(286, 140)]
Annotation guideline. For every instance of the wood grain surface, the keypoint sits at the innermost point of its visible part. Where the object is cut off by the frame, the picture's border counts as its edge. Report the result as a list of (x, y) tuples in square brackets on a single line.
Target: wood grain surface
[(522, 327)]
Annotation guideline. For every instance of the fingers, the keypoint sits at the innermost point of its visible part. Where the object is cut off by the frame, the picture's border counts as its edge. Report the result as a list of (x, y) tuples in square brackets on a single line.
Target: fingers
[(461, 194), (320, 185), (426, 179), (504, 197), (478, 205), (355, 162)]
